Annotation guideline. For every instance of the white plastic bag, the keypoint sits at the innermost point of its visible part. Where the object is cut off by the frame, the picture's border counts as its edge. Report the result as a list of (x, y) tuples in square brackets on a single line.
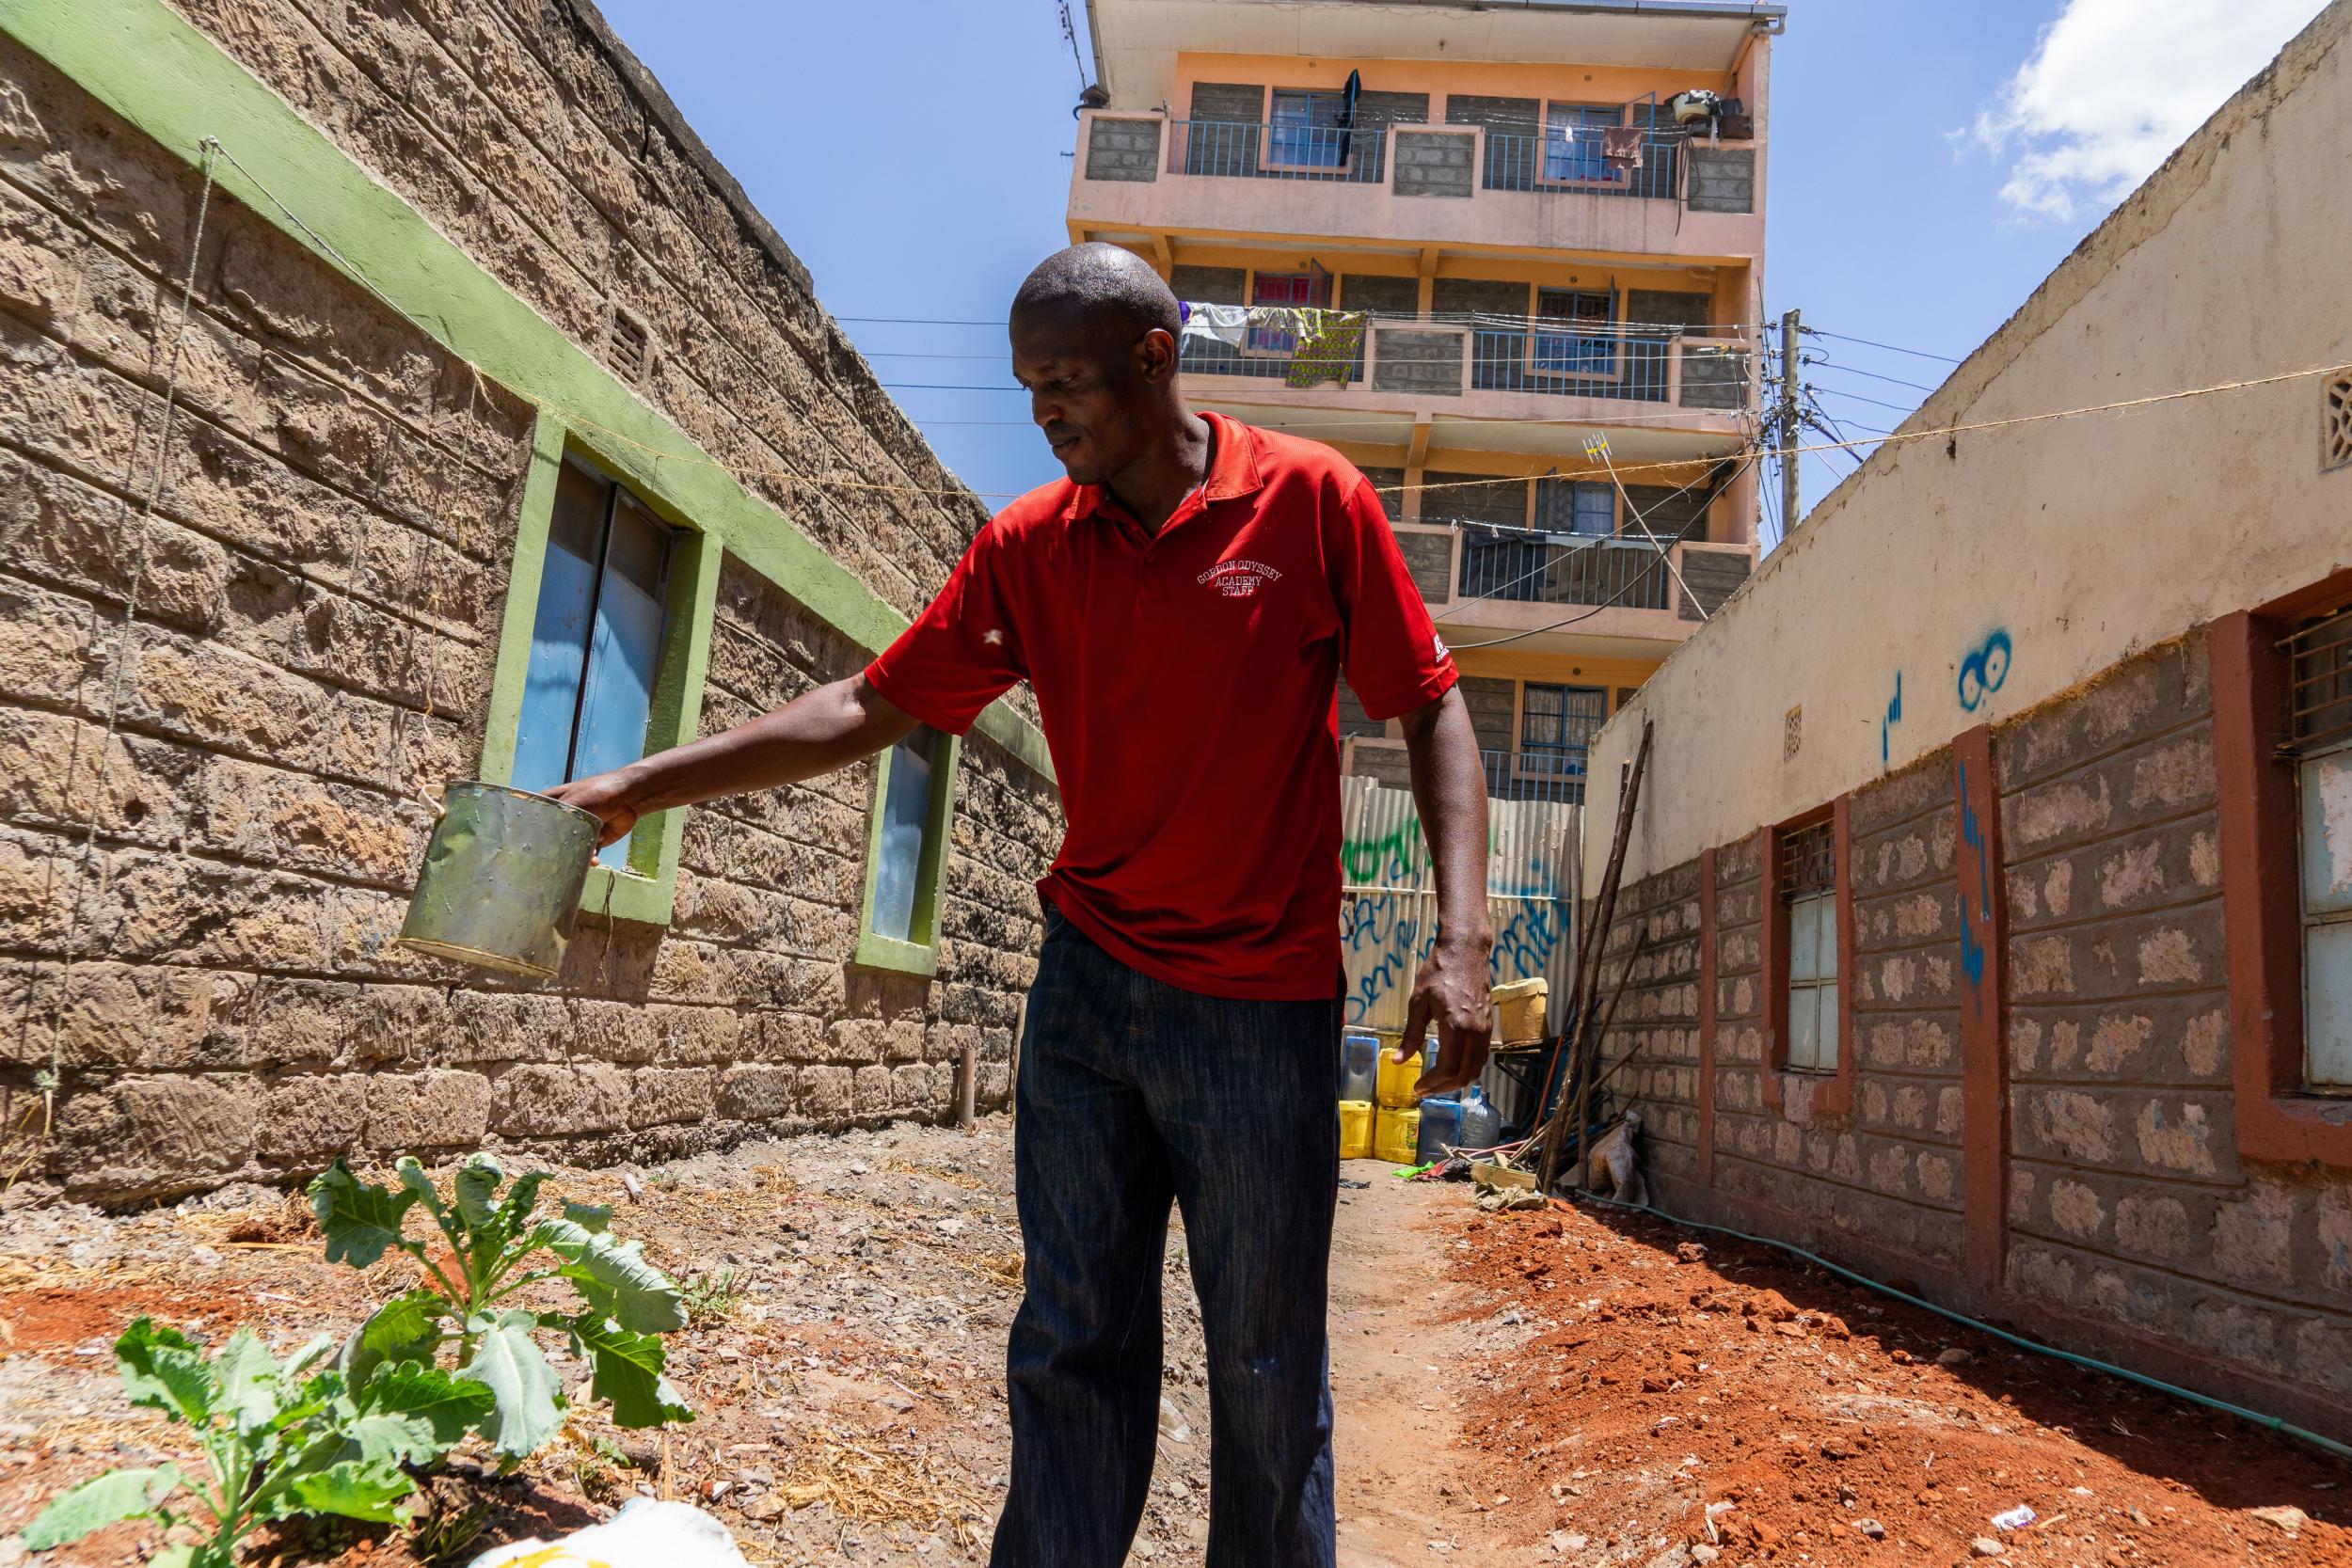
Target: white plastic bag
[(645, 1534)]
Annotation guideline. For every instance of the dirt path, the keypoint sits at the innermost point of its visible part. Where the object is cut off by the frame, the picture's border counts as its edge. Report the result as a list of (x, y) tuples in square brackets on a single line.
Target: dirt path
[(1547, 1388), (1403, 1361)]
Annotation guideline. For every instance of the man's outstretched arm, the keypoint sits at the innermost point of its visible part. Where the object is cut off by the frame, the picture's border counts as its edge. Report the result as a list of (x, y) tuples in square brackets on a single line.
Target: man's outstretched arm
[(815, 733), (1452, 990)]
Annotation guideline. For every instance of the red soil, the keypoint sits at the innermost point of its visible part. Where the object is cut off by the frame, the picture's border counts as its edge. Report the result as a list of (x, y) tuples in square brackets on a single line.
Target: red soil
[(1669, 1383)]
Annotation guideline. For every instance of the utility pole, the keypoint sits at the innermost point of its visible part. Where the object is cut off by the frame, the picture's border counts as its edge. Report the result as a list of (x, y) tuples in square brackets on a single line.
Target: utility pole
[(1789, 327)]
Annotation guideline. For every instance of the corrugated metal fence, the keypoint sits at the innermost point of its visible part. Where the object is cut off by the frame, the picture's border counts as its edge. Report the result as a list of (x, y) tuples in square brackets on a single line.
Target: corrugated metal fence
[(1389, 914)]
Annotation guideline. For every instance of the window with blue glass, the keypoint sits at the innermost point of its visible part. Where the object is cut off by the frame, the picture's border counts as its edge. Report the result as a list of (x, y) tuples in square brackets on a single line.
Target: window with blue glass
[(1572, 149), (1583, 507), (1560, 721), (595, 637), (1575, 333), (1305, 130), (901, 857)]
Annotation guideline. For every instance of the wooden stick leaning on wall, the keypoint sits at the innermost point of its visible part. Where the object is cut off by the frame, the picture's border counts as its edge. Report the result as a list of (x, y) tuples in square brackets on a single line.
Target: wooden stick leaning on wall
[(1588, 954)]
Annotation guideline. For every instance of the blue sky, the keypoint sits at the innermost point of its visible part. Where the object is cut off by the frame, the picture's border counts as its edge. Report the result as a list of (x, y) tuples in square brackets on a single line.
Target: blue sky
[(1930, 166)]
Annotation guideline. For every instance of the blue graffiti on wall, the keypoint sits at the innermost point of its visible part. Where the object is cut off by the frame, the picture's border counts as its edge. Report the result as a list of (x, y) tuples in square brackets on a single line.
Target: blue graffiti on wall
[(1894, 716), (1983, 671), (1387, 940), (1972, 835)]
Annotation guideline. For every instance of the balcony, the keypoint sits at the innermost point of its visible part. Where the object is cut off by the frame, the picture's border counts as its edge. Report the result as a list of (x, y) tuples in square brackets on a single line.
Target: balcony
[(1452, 186)]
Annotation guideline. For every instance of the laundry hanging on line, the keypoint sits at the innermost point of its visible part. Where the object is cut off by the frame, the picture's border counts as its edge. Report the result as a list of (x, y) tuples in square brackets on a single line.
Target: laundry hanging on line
[(1216, 323), (1327, 344), (1329, 347), (1621, 146)]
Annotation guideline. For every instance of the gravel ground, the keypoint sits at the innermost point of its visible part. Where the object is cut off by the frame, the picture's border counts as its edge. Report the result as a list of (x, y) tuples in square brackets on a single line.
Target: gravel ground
[(1545, 1387), (846, 1368)]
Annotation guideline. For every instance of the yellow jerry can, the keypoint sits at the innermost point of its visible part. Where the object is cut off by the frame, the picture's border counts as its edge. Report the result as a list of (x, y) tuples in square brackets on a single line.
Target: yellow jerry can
[(1396, 1136), (1395, 1088), (1355, 1128)]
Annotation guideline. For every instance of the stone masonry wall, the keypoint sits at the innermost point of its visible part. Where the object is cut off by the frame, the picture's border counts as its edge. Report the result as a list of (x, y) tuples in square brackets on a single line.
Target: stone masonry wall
[(2132, 1228), (317, 624), (2128, 1205), (1902, 1145), (1653, 955)]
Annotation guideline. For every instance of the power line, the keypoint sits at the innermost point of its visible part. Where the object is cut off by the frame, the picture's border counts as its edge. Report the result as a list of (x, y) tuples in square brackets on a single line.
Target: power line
[(1854, 370), (1875, 402), (1890, 348)]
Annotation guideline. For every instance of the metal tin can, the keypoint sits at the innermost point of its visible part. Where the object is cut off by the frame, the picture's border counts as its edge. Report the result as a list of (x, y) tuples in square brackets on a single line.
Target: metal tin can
[(502, 880)]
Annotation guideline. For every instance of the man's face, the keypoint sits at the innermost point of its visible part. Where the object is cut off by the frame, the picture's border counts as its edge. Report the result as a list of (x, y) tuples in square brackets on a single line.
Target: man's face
[(1094, 394)]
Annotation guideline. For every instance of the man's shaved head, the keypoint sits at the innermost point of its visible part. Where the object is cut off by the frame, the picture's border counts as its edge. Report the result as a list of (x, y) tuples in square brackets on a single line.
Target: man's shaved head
[(1094, 340), (1111, 290)]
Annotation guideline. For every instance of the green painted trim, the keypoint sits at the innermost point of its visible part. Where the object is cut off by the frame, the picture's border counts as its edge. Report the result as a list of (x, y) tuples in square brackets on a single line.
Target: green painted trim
[(504, 724), (904, 958), (148, 66), (919, 954)]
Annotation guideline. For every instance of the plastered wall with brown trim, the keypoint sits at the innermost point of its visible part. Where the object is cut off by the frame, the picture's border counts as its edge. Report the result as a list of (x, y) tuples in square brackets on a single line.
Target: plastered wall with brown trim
[(2131, 1227)]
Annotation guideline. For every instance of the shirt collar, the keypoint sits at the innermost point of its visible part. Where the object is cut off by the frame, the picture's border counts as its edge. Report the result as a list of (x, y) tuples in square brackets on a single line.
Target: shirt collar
[(1234, 471)]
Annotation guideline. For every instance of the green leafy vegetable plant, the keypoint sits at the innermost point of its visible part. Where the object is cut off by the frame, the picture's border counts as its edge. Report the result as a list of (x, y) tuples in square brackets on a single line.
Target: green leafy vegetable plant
[(278, 1440), (491, 1248)]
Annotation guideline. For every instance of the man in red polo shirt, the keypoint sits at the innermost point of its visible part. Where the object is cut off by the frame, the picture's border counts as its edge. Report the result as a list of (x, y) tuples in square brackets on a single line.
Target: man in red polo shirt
[(1183, 606)]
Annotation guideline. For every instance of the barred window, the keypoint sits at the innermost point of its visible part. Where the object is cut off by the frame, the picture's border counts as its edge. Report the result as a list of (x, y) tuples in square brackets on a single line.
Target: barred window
[(1809, 888), (2320, 685)]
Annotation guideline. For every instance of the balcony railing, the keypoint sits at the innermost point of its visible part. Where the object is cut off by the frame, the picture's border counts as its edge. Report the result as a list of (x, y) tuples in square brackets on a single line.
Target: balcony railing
[(1207, 357), (1547, 775), (1552, 774), (1260, 151), (1699, 368), (1538, 568), (1575, 163), (1562, 359)]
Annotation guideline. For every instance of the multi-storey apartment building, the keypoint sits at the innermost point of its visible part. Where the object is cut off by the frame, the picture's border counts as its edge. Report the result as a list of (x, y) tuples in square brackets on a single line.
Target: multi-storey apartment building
[(1542, 228)]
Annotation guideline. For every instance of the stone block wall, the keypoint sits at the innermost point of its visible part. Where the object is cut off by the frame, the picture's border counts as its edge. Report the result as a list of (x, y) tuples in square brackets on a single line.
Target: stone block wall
[(2098, 1199), (1650, 994), (1900, 1146), (2128, 1203), (323, 582)]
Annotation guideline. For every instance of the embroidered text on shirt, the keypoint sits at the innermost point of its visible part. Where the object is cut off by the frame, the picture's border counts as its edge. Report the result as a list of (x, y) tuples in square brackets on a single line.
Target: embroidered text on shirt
[(1238, 580)]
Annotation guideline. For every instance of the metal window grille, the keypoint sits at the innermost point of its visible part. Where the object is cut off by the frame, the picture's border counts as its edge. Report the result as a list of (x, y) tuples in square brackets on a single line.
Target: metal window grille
[(1808, 862), (2320, 681), (1808, 885)]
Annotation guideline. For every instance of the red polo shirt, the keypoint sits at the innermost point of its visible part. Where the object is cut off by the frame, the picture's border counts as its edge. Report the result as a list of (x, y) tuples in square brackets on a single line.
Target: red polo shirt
[(1188, 687)]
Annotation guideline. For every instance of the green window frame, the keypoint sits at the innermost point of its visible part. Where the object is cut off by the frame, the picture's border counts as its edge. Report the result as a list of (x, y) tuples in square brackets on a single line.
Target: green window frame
[(917, 952), (645, 889)]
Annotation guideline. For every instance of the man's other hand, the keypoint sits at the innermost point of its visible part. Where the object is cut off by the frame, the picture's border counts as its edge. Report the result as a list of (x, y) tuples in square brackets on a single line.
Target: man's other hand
[(1451, 992)]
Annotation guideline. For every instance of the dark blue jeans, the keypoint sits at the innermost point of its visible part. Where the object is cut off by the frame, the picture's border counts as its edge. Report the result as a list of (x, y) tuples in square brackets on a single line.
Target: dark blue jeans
[(1133, 1095)]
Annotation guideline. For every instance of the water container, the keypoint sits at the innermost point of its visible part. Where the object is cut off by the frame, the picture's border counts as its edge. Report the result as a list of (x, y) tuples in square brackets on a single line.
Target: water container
[(1441, 1124), (1355, 1128), (1396, 1079), (1481, 1124), (502, 880), (1396, 1135), (1360, 1056)]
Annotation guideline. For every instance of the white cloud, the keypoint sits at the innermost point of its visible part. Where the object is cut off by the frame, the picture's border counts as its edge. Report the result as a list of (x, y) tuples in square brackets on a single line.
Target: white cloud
[(2114, 86)]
